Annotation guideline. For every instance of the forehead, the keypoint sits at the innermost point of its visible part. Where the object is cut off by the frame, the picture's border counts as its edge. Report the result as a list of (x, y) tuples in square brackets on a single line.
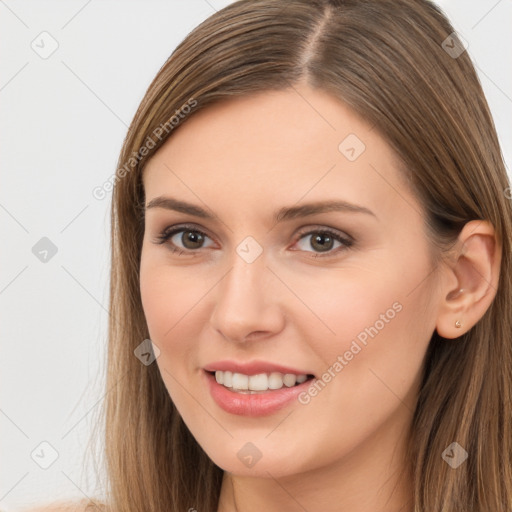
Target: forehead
[(276, 146)]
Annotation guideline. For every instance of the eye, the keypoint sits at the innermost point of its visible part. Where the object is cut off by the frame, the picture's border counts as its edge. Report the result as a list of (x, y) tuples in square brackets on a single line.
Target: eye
[(183, 238), (324, 241)]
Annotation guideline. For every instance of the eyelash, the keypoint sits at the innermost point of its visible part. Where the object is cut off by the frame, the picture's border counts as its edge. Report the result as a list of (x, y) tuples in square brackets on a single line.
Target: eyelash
[(168, 233)]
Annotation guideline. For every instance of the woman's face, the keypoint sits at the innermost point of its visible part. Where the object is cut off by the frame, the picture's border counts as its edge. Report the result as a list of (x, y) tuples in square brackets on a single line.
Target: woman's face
[(253, 274)]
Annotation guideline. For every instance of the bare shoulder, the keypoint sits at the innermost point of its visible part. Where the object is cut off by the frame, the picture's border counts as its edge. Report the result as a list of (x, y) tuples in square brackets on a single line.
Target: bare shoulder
[(69, 506)]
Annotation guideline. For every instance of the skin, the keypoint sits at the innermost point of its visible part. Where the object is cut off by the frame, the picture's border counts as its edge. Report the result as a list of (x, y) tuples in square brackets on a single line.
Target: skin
[(244, 159)]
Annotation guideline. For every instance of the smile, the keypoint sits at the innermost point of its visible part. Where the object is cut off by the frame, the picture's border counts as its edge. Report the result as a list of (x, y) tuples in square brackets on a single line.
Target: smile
[(241, 400), (261, 382)]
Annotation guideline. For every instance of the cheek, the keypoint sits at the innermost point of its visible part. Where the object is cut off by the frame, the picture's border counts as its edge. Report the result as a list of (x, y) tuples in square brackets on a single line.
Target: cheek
[(369, 329), (170, 301), (157, 303), (386, 291), (373, 362), (343, 305), (168, 297)]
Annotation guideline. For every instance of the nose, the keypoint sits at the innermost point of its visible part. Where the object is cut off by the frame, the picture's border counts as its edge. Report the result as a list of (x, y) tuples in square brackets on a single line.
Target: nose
[(247, 305)]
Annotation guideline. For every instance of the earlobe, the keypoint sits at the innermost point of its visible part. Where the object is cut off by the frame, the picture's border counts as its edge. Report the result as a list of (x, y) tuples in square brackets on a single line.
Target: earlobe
[(476, 273)]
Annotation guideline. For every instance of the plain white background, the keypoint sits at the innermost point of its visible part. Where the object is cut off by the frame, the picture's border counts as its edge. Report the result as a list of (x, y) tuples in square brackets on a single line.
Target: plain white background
[(63, 120)]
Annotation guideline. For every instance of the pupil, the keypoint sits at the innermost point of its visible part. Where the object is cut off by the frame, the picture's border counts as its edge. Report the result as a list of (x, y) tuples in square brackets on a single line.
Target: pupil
[(324, 242), (192, 239)]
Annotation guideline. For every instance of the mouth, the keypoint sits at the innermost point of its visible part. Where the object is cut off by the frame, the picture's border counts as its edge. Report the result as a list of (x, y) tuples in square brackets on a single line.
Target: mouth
[(234, 396)]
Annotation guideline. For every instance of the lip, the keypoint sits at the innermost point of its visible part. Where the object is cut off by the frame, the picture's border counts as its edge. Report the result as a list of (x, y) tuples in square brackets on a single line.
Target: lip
[(261, 404), (252, 368)]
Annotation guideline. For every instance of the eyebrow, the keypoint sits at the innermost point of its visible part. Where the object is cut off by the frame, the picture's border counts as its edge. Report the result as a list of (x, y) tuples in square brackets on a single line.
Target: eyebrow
[(283, 214)]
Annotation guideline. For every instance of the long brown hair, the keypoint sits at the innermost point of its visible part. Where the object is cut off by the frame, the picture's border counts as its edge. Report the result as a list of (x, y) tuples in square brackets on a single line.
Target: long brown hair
[(389, 61)]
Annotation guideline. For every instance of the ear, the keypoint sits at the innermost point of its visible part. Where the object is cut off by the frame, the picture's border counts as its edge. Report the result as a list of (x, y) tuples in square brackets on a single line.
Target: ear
[(471, 279)]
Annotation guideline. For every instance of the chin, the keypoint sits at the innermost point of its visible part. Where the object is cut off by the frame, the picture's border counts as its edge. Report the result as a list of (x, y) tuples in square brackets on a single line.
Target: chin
[(237, 461)]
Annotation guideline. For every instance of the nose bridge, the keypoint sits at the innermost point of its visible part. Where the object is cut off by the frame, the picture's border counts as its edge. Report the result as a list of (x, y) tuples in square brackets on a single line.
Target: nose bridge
[(247, 261), (246, 301), (242, 286)]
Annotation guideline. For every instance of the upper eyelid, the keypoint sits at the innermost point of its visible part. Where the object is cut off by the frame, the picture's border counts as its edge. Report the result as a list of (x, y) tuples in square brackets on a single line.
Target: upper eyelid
[(178, 228)]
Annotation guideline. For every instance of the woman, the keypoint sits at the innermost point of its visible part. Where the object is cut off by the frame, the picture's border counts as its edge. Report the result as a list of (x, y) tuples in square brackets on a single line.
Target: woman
[(310, 294)]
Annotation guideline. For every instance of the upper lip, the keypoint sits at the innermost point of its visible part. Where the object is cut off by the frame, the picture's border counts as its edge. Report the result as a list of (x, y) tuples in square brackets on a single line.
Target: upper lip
[(252, 368)]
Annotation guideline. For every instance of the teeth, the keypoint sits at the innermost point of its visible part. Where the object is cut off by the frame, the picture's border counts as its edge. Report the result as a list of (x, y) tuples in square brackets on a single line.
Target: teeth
[(240, 381), (227, 378), (276, 380), (259, 382), (289, 380)]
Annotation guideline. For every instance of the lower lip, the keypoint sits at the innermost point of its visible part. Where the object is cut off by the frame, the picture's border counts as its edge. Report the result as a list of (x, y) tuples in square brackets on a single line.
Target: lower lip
[(258, 404)]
